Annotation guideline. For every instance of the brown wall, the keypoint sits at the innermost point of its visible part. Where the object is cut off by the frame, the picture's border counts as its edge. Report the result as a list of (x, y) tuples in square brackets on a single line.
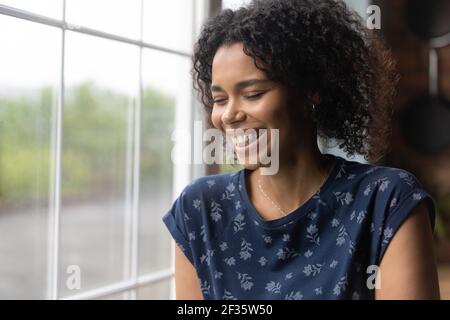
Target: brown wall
[(412, 60)]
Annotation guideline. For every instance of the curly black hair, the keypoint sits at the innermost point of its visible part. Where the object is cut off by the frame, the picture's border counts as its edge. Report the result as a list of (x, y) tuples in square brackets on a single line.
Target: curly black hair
[(315, 47)]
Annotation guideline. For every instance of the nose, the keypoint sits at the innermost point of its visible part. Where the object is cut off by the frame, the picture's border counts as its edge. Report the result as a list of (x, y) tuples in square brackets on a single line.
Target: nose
[(232, 114)]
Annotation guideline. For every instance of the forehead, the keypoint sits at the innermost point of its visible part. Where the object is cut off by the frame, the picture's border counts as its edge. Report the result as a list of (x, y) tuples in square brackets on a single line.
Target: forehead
[(230, 63)]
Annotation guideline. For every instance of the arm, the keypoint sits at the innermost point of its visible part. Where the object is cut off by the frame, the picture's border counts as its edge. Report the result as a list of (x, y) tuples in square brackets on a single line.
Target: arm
[(408, 268), (186, 280)]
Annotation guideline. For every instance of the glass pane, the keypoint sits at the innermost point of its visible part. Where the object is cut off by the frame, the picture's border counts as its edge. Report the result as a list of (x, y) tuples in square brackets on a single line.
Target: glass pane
[(234, 4), (121, 17), (49, 8), (156, 291), (101, 86), (169, 23), (166, 83), (359, 6), (28, 98)]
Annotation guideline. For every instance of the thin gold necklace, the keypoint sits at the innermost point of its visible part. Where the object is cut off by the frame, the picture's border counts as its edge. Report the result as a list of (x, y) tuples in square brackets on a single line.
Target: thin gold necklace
[(275, 204), (270, 199)]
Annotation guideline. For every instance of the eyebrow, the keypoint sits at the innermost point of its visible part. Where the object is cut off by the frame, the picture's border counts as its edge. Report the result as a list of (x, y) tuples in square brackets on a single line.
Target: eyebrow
[(241, 84)]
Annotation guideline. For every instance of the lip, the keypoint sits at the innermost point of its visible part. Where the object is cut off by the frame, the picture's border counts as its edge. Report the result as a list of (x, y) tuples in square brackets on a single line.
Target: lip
[(243, 129), (251, 143)]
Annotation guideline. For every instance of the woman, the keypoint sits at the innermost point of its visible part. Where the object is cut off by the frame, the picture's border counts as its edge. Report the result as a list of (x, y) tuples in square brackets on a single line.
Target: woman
[(322, 227)]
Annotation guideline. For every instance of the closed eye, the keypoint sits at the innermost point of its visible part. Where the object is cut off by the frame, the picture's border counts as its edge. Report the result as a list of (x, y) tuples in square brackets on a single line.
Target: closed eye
[(248, 97), (220, 101), (255, 96)]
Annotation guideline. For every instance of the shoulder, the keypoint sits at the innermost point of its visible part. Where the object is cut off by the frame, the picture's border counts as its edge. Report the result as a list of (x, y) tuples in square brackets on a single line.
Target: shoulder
[(389, 195), (211, 187), (201, 211), (376, 179), (399, 184), (211, 200), (389, 192)]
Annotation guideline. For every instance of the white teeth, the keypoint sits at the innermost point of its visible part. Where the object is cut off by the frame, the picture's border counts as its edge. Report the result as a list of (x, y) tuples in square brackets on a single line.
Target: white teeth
[(244, 139)]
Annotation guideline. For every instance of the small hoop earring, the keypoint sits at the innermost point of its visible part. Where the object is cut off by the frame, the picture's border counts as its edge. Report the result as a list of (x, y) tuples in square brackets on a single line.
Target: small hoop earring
[(313, 107)]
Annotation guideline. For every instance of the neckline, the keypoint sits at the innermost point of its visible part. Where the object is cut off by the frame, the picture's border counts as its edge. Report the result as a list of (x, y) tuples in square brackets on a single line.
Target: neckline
[(297, 213)]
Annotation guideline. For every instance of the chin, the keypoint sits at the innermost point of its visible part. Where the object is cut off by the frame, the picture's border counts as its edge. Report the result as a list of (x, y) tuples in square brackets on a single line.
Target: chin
[(250, 166)]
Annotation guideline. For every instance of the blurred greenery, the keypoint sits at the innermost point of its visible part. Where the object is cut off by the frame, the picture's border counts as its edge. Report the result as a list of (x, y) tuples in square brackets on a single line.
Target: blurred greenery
[(228, 167), (95, 141)]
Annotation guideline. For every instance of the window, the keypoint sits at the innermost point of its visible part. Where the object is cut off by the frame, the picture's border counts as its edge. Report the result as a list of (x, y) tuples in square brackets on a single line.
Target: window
[(90, 93)]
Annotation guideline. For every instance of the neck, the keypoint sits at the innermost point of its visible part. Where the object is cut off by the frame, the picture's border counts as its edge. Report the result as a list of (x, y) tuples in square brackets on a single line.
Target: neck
[(298, 178)]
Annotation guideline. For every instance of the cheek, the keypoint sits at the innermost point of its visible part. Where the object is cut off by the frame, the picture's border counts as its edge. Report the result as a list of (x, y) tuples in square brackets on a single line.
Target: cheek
[(272, 115), (216, 118), (272, 110), (276, 116)]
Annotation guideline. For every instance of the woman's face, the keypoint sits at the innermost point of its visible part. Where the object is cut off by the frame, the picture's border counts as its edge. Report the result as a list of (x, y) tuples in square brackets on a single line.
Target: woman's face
[(244, 98)]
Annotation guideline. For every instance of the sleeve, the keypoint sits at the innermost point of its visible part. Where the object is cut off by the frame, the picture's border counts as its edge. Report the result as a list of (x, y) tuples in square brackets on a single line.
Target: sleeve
[(176, 220), (407, 194)]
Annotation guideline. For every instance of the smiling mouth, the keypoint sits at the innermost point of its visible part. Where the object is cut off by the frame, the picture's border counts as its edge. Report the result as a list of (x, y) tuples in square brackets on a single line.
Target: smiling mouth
[(243, 138)]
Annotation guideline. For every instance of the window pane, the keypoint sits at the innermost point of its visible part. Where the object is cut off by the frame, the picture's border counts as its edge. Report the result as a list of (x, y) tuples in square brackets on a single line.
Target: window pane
[(168, 23), (101, 86), (359, 6), (28, 96), (121, 17), (234, 4), (166, 84), (155, 291), (49, 8)]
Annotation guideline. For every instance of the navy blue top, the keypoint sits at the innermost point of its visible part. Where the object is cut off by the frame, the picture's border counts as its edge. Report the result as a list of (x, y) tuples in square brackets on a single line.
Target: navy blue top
[(325, 249)]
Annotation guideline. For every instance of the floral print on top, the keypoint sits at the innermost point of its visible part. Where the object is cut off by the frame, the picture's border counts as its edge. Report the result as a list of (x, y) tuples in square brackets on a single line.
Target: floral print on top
[(325, 249)]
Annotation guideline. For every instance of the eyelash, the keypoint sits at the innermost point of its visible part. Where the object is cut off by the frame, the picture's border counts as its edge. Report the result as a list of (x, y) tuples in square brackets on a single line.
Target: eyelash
[(255, 96), (252, 97)]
